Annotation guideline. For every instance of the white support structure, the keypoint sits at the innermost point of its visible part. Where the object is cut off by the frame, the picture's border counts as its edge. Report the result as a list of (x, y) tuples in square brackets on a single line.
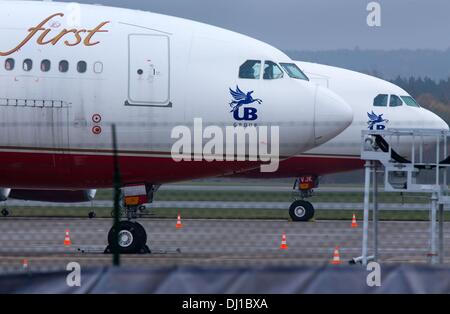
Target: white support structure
[(420, 166)]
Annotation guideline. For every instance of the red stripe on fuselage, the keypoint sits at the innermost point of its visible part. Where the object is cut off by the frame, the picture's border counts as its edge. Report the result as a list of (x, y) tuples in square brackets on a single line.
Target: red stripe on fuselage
[(82, 171)]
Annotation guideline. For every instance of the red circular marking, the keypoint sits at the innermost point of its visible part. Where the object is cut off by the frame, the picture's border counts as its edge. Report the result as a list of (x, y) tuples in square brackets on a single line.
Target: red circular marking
[(96, 118), (96, 129)]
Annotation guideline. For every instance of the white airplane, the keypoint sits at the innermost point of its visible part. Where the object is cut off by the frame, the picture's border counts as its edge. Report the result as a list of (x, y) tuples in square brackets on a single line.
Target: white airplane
[(70, 71), (376, 103)]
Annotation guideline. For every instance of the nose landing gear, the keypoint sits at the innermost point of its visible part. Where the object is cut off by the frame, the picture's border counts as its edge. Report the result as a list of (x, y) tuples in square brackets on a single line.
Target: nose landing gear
[(5, 212), (132, 237), (301, 210)]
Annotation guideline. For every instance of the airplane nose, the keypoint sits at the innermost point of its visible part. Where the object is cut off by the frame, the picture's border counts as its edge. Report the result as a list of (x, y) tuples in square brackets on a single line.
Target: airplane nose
[(433, 121), (332, 115)]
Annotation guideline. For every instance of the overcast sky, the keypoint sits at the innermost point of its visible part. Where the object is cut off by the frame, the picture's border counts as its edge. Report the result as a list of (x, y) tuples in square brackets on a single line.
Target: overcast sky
[(316, 24)]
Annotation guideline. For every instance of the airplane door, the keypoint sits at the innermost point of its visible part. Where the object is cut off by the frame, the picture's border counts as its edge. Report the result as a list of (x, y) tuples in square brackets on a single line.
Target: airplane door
[(149, 70)]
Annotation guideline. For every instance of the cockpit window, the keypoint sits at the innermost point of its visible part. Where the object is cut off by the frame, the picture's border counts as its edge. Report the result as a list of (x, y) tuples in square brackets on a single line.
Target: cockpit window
[(381, 100), (395, 101), (293, 71), (272, 71), (410, 101), (250, 69)]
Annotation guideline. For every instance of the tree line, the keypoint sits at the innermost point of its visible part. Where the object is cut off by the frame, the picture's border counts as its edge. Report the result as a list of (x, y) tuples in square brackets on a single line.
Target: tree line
[(440, 90)]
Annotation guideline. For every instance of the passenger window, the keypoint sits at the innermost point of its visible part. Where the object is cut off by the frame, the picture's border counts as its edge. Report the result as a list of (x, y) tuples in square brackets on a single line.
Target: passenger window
[(81, 67), (98, 67), (395, 101), (27, 65), (272, 71), (45, 65), (9, 64), (381, 100), (251, 69), (63, 66)]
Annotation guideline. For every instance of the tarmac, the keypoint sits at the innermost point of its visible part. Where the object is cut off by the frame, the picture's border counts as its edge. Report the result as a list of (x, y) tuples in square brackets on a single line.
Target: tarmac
[(207, 242)]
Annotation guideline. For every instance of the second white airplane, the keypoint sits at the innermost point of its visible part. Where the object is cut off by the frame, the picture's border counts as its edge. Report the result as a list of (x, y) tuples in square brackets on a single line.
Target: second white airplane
[(377, 105)]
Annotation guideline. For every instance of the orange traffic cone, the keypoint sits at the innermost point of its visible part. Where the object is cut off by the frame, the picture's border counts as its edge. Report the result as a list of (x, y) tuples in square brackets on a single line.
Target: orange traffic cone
[(283, 245), (354, 223), (67, 241), (336, 258), (179, 224)]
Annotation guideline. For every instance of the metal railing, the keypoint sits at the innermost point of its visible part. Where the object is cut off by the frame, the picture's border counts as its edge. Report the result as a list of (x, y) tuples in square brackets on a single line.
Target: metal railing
[(404, 155)]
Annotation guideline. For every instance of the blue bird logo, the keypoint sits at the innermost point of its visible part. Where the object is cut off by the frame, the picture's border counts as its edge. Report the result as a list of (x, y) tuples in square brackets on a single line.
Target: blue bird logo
[(241, 98), (375, 119)]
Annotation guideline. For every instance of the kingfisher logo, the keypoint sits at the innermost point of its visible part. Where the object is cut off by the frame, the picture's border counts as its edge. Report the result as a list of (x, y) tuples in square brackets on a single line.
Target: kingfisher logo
[(239, 108), (376, 122)]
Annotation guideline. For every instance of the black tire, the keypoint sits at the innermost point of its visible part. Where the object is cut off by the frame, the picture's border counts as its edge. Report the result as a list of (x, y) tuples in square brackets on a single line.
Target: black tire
[(5, 212), (141, 233), (301, 211), (137, 241), (92, 215)]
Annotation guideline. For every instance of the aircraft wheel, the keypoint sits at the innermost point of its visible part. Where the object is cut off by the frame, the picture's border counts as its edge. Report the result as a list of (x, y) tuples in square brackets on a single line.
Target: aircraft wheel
[(92, 215), (301, 211), (141, 233), (132, 237), (5, 212)]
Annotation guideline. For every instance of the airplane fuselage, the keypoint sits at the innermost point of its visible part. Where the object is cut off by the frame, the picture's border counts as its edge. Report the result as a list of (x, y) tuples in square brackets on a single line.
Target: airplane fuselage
[(68, 72), (342, 153)]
